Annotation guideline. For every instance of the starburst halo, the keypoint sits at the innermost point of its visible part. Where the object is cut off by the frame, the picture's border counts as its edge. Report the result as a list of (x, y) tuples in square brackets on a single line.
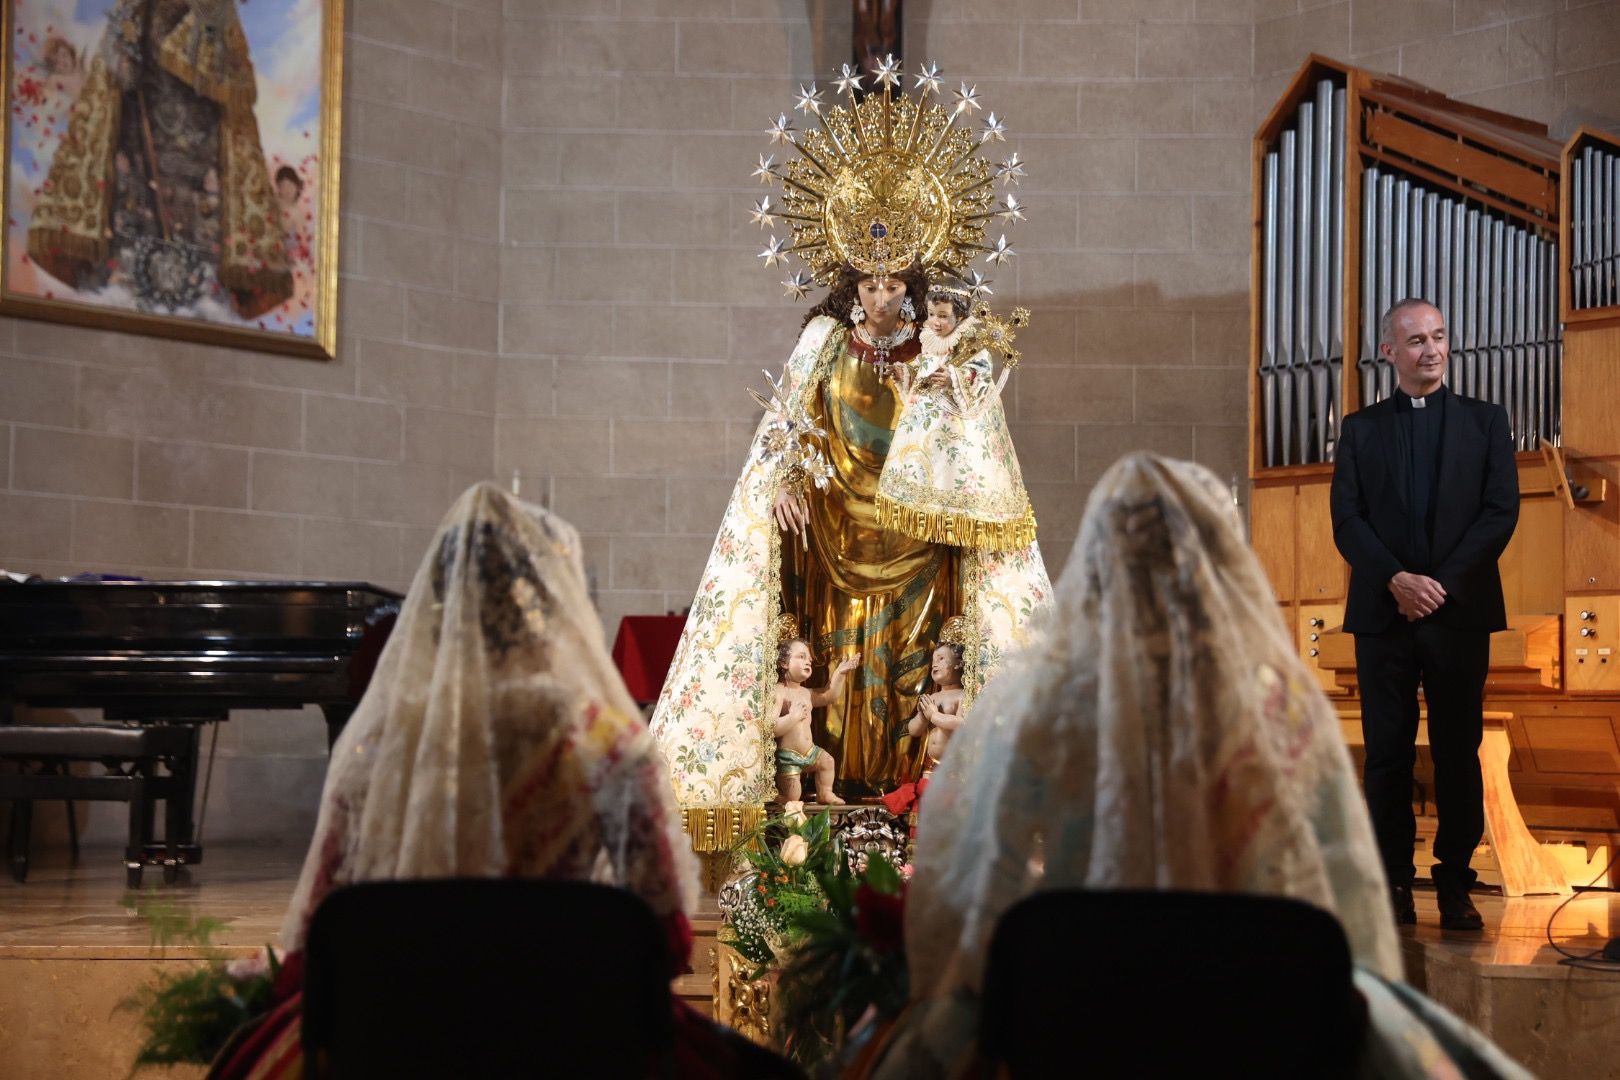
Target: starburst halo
[(882, 178)]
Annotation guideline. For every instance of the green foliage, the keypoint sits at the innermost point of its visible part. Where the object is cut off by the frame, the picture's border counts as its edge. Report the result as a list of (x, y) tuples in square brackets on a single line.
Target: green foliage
[(830, 924), (846, 959), (189, 1015)]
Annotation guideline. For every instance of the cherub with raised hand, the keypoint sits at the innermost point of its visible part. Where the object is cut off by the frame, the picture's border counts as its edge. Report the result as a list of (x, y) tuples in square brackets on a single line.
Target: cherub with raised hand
[(940, 713), (796, 751)]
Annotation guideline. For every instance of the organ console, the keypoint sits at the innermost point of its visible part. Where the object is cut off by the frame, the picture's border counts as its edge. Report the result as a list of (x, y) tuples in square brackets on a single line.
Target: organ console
[(1368, 189)]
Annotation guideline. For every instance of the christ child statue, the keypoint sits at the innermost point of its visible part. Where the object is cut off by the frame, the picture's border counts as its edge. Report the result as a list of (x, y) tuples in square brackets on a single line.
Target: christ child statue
[(940, 713), (796, 751), (951, 475)]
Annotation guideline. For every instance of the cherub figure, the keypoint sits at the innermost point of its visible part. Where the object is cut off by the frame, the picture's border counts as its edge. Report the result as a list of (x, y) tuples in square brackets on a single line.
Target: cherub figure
[(939, 713), (796, 750)]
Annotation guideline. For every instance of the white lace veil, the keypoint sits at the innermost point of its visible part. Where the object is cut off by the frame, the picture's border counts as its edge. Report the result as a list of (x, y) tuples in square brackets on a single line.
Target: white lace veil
[(1161, 732), (497, 739)]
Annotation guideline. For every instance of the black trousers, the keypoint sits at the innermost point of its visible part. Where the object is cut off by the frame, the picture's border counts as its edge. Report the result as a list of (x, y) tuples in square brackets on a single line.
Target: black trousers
[(1451, 666)]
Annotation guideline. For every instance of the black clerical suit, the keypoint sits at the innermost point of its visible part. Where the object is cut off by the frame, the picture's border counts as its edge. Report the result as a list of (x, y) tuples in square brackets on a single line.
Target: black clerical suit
[(1434, 491)]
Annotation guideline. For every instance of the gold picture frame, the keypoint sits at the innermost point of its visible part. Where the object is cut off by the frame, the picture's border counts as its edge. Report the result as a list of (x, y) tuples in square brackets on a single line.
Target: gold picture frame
[(157, 182)]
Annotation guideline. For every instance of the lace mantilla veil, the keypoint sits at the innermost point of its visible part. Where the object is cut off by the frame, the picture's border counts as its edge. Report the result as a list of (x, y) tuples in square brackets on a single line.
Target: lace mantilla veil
[(1161, 732), (496, 739)]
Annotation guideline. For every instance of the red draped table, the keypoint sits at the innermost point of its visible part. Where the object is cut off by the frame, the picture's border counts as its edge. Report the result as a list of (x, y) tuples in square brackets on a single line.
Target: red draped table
[(643, 651)]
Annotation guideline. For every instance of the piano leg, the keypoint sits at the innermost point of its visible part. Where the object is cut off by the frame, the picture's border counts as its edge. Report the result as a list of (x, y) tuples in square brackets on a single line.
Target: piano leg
[(336, 717), (179, 823), (140, 831), (22, 822)]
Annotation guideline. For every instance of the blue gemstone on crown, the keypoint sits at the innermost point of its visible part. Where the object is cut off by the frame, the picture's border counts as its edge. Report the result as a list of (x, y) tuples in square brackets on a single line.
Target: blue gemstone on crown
[(879, 230)]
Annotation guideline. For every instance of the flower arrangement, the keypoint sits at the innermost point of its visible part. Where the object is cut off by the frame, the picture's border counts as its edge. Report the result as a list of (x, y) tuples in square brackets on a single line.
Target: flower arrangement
[(825, 915)]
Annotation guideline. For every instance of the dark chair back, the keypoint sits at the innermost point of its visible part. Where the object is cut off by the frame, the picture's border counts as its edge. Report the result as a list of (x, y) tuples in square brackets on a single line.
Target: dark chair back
[(486, 978), (1148, 983)]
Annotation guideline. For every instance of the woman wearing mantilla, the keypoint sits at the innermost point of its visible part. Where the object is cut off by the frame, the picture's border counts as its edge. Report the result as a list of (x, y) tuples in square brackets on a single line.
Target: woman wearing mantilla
[(883, 198)]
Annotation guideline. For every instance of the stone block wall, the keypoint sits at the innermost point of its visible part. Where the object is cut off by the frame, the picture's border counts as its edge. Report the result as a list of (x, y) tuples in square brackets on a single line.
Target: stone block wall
[(547, 271)]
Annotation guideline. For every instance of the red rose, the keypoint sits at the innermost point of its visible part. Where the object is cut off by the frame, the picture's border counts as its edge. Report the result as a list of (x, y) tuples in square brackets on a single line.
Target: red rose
[(880, 918)]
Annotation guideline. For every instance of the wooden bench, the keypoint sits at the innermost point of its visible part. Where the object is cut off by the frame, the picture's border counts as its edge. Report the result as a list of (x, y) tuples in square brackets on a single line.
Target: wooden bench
[(1526, 867)]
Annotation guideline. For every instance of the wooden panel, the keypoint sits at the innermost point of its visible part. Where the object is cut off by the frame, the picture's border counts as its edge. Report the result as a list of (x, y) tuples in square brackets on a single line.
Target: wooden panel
[(1271, 529), (1573, 744), (1591, 423), (1448, 155), (1532, 567), (1319, 568), (1316, 622), (1592, 537), (1592, 644)]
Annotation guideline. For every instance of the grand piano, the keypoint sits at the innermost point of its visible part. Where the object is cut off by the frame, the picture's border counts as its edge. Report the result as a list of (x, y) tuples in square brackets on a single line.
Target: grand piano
[(160, 658)]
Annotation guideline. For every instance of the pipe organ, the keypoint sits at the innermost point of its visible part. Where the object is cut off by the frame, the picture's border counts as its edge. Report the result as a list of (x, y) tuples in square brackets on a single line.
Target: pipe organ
[(1489, 264), (1369, 189)]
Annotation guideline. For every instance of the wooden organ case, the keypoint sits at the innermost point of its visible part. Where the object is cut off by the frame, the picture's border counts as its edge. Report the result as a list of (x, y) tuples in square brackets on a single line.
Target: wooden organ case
[(1369, 189)]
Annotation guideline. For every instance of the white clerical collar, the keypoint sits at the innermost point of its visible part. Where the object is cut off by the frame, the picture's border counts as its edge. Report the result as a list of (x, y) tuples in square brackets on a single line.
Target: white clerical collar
[(1420, 403)]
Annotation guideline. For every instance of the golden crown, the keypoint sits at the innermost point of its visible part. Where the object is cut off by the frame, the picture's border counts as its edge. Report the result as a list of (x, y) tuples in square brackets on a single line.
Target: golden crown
[(954, 632), (887, 181)]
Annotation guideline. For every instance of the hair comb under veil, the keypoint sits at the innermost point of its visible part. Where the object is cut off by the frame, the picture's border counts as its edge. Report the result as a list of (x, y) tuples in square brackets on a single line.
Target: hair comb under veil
[(1161, 733), (497, 739)]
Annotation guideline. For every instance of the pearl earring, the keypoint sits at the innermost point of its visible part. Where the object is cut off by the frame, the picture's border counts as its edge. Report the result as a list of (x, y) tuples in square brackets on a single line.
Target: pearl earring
[(857, 314), (907, 310)]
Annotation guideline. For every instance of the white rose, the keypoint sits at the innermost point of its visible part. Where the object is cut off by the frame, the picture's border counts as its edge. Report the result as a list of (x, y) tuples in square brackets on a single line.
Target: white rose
[(795, 849), (793, 812)]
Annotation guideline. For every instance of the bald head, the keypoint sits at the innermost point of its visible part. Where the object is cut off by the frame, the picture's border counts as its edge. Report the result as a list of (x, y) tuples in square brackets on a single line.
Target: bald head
[(1412, 337), (1386, 325)]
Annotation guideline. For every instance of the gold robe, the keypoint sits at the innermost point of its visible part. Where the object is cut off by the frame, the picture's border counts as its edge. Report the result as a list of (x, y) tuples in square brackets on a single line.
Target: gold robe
[(861, 588)]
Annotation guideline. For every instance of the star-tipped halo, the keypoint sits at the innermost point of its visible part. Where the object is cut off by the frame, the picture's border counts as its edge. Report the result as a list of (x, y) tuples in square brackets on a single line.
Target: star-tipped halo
[(888, 73), (928, 79), (849, 81), (776, 251), (1012, 170), (781, 130), (967, 99), (1000, 252), (839, 201), (809, 100), (978, 284)]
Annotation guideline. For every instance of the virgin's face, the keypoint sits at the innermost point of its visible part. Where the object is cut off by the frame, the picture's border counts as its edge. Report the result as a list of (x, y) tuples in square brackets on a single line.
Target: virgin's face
[(881, 297)]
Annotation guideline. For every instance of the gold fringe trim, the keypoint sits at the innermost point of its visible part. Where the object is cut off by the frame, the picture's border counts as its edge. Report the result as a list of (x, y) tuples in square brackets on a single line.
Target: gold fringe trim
[(718, 828), (955, 528)]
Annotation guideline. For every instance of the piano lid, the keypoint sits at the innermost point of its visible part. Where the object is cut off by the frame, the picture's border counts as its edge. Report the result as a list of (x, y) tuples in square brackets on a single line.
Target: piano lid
[(187, 616)]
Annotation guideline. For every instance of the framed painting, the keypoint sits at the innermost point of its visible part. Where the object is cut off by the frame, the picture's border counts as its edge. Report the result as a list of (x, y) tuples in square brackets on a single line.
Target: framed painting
[(171, 168)]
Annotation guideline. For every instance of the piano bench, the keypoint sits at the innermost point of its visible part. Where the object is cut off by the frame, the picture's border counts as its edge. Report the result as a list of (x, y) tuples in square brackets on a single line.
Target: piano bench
[(132, 757)]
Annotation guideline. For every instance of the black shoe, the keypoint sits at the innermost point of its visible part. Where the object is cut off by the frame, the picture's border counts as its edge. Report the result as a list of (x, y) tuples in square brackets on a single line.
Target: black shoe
[(1457, 912), (1400, 898)]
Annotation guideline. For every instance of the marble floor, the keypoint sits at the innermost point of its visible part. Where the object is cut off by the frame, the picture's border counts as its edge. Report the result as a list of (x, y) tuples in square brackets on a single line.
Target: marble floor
[(85, 911), (1508, 980)]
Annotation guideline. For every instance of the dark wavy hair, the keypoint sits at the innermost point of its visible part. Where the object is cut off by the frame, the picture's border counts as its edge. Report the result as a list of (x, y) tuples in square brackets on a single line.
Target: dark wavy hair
[(785, 648), (841, 298)]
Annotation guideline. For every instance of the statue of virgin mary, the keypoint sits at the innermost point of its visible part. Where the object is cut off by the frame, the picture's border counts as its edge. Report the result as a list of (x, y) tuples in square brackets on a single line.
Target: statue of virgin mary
[(883, 196)]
